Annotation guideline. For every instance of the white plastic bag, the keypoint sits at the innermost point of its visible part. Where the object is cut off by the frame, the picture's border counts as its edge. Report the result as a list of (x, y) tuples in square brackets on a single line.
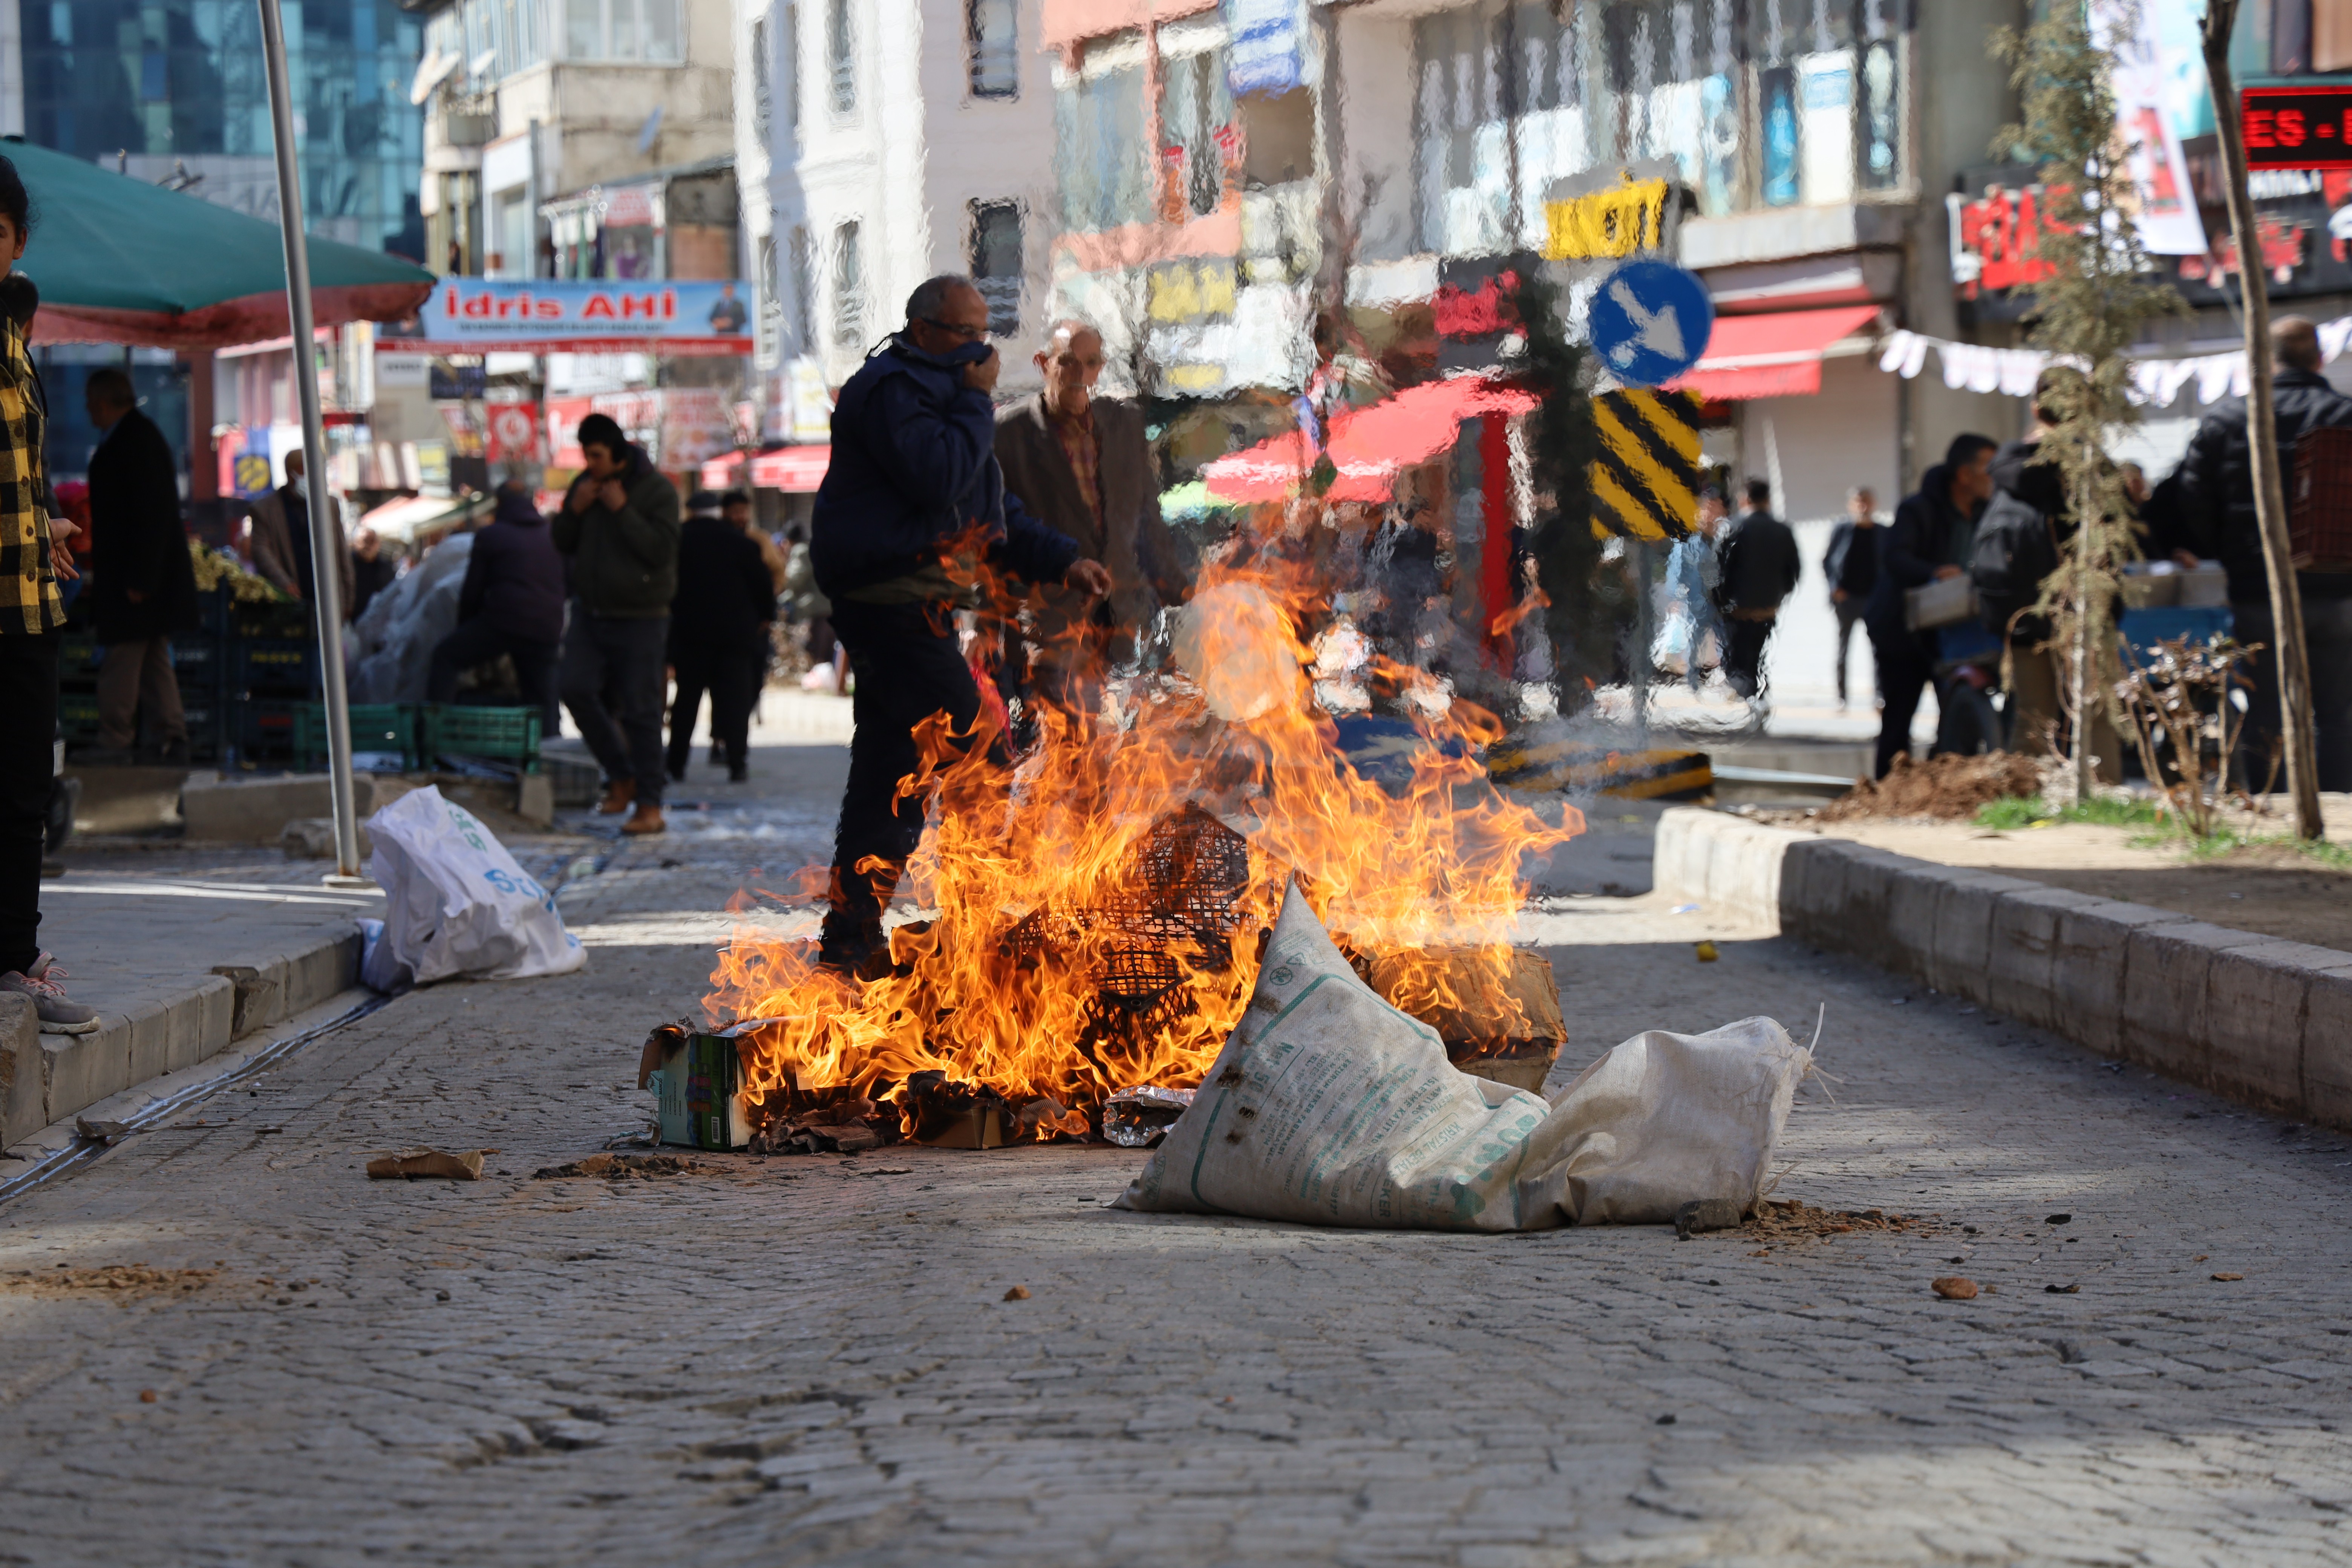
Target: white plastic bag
[(456, 902), (1330, 1106)]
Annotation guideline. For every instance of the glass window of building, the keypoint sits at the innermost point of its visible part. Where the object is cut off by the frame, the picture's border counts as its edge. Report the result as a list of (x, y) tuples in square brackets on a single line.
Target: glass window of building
[(769, 331), (991, 35), (802, 260), (622, 31), (848, 289), (764, 81), (1196, 114), (841, 56), (790, 70), (1101, 152), (996, 263), (179, 82)]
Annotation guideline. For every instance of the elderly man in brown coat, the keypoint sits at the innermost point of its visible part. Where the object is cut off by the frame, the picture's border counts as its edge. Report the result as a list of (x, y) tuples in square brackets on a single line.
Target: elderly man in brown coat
[(1083, 466)]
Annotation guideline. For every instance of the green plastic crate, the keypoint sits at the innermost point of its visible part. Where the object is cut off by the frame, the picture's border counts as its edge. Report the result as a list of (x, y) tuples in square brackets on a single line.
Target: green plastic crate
[(382, 728), (493, 734)]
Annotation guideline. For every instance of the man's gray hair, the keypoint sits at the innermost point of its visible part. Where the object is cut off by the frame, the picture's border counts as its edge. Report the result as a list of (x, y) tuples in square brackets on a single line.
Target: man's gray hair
[(930, 296), (1068, 327)]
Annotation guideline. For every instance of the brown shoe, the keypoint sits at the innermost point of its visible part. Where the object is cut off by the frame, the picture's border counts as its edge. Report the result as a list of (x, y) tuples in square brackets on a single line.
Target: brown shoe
[(645, 820), (617, 797)]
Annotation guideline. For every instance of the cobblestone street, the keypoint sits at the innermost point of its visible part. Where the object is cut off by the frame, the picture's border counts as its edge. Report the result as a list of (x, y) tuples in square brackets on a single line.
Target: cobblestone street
[(813, 1360)]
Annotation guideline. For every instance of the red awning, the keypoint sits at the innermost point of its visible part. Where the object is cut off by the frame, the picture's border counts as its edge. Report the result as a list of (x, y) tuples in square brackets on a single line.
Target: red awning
[(1776, 354), (1370, 445), (797, 470)]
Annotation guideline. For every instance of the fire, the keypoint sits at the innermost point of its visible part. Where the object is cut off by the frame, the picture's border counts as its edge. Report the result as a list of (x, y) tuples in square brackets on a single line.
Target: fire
[(1100, 911)]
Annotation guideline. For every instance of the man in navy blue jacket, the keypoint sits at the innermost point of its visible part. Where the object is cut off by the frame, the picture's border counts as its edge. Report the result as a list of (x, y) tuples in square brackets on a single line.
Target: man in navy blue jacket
[(911, 506)]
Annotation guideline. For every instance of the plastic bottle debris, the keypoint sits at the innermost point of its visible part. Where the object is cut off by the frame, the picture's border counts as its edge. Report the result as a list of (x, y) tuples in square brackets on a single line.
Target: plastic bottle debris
[(1137, 1118)]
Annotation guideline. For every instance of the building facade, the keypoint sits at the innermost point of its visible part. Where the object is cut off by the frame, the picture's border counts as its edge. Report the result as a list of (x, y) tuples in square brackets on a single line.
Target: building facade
[(881, 144)]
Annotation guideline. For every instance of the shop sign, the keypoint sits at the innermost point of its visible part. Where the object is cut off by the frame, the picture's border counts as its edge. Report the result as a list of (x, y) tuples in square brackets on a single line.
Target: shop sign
[(403, 372), (1997, 240), (531, 315), (1477, 307), (1261, 46), (812, 405), (2298, 127), (679, 427), (1194, 290), (513, 432), (1619, 220), (465, 426)]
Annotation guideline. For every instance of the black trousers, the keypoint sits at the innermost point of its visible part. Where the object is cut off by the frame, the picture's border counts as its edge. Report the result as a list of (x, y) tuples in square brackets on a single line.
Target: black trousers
[(1743, 655), (1849, 615), (732, 675), (611, 680), (1903, 674), (2328, 642), (908, 667), (477, 642), (28, 695)]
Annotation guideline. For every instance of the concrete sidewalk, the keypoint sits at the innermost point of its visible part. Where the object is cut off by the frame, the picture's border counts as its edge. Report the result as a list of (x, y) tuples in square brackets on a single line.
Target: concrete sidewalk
[(181, 952)]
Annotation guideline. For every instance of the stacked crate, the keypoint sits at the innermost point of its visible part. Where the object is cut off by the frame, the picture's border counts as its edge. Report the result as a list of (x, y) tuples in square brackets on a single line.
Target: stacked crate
[(268, 658), (79, 657)]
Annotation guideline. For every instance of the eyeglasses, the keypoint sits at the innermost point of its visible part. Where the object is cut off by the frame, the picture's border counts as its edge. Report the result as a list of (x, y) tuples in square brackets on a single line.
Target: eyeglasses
[(969, 334)]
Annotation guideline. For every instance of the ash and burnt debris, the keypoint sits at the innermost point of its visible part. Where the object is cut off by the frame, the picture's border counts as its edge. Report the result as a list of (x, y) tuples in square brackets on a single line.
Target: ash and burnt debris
[(1179, 915)]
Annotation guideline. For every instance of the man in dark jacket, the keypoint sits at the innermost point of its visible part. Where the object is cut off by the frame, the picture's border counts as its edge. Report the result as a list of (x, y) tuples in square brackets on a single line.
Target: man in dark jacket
[(1850, 567), (912, 507), (1761, 568), (1928, 540), (511, 603), (619, 527), (2038, 670), (142, 585), (718, 629), (1083, 466), (281, 542), (2217, 503)]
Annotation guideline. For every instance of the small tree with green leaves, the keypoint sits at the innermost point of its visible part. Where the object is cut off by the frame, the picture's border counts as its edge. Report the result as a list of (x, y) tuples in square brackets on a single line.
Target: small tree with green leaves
[(2088, 311)]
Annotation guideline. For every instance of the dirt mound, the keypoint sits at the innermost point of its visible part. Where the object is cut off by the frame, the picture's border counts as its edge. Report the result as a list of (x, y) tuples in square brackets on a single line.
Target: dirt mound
[(629, 1168), (1782, 1220), (1948, 787)]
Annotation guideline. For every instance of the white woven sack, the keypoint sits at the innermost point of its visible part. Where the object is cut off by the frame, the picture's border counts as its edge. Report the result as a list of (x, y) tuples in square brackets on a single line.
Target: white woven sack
[(1330, 1107)]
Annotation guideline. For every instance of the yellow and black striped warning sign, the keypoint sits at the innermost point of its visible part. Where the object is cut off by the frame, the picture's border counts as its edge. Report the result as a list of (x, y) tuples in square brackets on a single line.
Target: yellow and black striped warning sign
[(1645, 485)]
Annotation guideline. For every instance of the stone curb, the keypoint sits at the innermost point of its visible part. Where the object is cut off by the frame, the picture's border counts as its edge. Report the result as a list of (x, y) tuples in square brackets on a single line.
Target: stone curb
[(2260, 1020), (48, 1078)]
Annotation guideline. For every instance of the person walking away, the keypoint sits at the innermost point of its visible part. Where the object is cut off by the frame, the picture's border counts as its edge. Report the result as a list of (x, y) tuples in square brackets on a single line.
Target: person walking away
[(718, 635), (372, 571), (619, 527), (912, 506), (281, 542), (1693, 573), (1850, 567), (510, 603), (2217, 504), (34, 557), (142, 585), (2038, 670), (1082, 466), (1928, 540), (1761, 568), (735, 506)]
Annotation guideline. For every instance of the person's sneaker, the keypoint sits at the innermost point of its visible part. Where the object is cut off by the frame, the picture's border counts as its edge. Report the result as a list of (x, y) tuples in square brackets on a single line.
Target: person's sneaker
[(677, 773), (45, 986), (741, 773), (645, 820), (617, 797), (717, 752)]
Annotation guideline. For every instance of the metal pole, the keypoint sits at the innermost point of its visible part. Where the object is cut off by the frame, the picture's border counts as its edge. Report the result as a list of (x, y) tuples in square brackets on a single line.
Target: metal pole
[(1638, 663), (326, 584)]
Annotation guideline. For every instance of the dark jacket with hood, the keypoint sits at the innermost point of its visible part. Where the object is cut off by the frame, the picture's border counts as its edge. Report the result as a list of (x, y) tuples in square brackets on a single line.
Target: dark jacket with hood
[(1929, 531), (725, 596), (136, 539), (2217, 483), (913, 473), (514, 578), (2043, 488), (624, 561)]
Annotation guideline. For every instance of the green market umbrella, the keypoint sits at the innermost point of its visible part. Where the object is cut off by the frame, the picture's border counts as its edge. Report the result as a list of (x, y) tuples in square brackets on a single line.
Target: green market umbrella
[(120, 261)]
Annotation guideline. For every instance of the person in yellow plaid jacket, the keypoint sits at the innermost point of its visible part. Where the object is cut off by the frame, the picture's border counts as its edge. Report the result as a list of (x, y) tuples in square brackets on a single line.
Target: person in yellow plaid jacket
[(33, 557)]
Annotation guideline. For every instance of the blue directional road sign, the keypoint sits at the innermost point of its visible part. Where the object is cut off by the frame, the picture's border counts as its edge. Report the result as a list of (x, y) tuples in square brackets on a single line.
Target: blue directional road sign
[(1650, 322)]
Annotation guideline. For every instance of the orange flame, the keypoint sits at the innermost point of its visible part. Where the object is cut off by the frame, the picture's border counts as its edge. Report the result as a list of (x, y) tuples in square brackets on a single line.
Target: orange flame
[(1033, 878)]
